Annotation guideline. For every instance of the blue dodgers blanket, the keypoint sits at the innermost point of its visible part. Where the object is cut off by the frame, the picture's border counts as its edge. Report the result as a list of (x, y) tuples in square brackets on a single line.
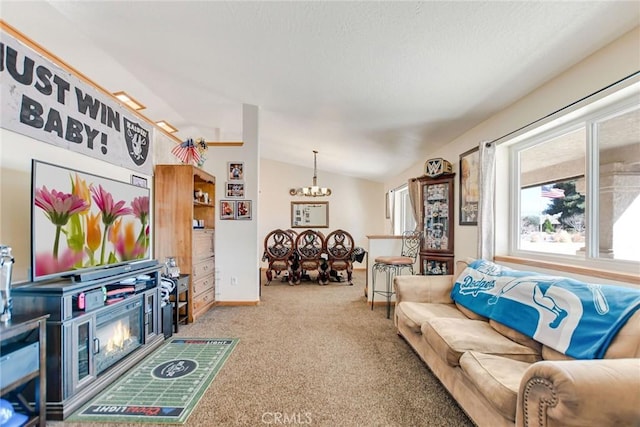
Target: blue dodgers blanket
[(575, 318)]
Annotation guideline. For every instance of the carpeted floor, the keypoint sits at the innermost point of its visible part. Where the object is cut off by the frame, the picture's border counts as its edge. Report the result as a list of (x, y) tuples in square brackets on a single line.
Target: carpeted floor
[(317, 355)]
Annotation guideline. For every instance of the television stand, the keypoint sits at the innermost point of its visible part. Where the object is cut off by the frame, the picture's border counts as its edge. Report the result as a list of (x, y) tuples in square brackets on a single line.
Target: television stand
[(74, 334)]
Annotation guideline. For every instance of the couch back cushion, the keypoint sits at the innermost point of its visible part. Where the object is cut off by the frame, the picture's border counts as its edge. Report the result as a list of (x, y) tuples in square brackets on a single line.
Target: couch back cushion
[(461, 265), (516, 336), (550, 354), (471, 314), (573, 317), (627, 341)]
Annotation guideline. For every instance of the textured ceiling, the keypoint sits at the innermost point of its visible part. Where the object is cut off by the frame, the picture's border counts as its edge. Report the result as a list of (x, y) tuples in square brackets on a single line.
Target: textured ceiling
[(373, 86)]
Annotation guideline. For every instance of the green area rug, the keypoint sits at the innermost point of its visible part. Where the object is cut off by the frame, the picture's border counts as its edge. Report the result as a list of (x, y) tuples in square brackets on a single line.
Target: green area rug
[(164, 387)]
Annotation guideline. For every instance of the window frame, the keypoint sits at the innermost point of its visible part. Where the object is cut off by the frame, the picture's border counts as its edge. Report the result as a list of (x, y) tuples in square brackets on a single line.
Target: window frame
[(401, 205), (590, 116)]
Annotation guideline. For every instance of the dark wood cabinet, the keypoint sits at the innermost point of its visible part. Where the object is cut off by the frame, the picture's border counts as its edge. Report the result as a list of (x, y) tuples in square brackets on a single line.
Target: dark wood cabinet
[(23, 366), (436, 204)]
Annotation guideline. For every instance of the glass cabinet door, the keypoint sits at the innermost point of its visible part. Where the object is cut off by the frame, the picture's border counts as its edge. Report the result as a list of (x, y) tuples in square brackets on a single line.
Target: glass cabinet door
[(437, 236), (436, 266), (84, 351)]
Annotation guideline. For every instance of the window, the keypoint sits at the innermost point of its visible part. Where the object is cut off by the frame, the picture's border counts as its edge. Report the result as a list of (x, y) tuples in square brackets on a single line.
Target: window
[(403, 219), (576, 186)]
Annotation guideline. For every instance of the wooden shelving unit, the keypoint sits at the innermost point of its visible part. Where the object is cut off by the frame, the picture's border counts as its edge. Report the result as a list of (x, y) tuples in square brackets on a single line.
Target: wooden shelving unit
[(177, 205)]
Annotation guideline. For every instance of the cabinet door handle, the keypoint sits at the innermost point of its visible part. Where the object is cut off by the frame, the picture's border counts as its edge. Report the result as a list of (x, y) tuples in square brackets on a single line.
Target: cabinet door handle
[(96, 345)]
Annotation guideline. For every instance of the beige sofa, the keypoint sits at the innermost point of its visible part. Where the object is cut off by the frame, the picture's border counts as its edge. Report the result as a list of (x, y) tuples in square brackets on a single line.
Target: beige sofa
[(500, 377)]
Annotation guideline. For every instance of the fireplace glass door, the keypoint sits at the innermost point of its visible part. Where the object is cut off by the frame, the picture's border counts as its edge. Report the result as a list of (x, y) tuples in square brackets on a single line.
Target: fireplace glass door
[(118, 332)]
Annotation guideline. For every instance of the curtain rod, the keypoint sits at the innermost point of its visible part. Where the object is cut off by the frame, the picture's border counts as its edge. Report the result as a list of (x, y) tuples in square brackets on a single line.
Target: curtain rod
[(397, 188), (564, 108)]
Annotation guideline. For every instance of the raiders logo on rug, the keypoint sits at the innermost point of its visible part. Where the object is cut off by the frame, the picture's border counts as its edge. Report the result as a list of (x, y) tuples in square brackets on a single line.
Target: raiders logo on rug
[(174, 369)]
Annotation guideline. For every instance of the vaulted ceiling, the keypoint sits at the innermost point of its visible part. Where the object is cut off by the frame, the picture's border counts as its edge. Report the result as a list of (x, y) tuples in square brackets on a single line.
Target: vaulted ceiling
[(373, 86)]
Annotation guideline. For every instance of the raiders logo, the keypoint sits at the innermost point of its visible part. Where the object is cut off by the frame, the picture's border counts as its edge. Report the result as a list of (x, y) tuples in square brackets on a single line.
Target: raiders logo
[(137, 139)]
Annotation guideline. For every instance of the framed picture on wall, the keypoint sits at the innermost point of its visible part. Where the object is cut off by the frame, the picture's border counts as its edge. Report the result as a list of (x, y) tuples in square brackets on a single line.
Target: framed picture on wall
[(235, 171), (227, 209), (139, 181), (469, 189), (234, 189), (243, 209)]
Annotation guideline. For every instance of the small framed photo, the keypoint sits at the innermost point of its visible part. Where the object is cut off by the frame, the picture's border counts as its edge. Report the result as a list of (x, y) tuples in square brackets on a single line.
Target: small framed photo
[(227, 209), (235, 171), (139, 181), (243, 209), (234, 189)]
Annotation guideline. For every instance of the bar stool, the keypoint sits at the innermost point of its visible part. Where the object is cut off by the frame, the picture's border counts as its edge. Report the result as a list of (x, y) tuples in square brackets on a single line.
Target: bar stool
[(393, 265)]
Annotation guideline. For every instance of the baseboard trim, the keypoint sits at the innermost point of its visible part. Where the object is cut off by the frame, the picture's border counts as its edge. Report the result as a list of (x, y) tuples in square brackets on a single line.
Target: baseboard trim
[(237, 303), (262, 269)]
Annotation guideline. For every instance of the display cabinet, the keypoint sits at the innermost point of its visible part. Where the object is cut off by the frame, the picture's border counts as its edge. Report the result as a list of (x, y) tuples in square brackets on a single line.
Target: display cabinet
[(185, 225), (436, 203)]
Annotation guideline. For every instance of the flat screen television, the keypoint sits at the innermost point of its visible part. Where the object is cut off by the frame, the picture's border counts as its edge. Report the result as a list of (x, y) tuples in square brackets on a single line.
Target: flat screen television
[(82, 223)]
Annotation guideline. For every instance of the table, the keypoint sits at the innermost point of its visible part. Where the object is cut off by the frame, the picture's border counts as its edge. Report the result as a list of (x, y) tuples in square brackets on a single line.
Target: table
[(16, 336), (180, 300)]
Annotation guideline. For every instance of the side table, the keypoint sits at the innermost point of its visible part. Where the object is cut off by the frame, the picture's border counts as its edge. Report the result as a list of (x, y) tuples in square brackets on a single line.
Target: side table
[(23, 359), (180, 301)]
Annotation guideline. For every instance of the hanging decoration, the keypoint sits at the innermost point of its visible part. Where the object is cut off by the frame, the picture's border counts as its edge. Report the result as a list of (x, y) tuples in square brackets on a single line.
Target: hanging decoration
[(313, 190), (202, 146), (191, 152)]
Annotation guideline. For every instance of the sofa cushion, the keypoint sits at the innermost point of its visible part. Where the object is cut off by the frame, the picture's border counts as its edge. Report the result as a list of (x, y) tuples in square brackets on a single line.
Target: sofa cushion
[(550, 354), (450, 338), (470, 314), (497, 378), (516, 336), (415, 314), (626, 343)]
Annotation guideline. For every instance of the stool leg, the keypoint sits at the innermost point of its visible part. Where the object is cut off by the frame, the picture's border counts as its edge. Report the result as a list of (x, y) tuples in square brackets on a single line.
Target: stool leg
[(390, 275), (373, 284)]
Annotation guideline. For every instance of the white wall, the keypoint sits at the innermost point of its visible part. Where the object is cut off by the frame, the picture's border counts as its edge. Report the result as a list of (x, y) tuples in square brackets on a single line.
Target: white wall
[(606, 66), (236, 245), (236, 241), (355, 205)]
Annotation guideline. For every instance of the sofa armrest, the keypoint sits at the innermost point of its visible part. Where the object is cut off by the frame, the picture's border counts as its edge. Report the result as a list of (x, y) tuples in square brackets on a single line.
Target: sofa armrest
[(580, 393), (433, 289)]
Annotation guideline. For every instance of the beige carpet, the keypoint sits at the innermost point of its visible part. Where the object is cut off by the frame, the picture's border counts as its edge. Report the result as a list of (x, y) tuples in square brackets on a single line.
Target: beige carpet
[(317, 355)]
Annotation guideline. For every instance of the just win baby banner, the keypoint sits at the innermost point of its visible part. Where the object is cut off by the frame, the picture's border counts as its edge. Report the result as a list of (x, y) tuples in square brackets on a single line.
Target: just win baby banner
[(45, 102)]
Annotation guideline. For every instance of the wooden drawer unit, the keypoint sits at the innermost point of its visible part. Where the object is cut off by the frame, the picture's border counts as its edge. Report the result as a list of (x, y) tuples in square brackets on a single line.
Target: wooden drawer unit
[(202, 269), (203, 287), (202, 244), (202, 303), (204, 284)]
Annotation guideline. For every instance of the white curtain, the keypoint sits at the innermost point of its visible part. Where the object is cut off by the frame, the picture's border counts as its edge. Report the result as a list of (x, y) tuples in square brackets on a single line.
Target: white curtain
[(486, 207), (414, 198), (391, 209)]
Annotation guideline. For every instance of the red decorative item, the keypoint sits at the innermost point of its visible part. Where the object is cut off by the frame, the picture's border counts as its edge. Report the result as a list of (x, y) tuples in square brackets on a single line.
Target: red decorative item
[(187, 152)]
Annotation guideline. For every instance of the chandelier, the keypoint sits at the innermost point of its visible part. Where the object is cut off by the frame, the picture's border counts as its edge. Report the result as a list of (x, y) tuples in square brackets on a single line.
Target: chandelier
[(314, 190)]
